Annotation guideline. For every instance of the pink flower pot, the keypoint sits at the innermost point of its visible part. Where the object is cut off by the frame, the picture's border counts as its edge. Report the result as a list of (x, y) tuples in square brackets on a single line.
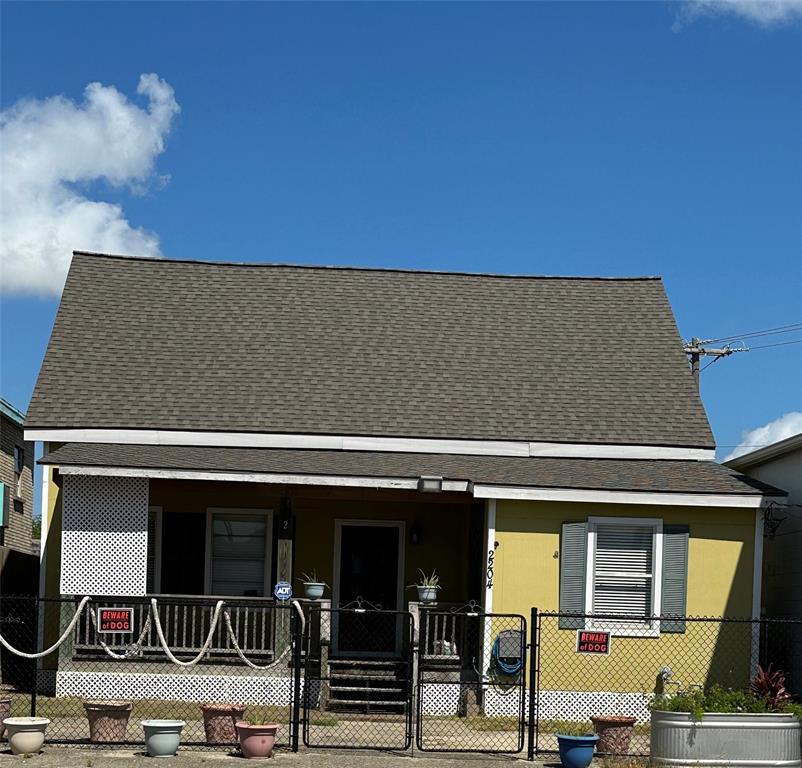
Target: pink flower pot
[(256, 740)]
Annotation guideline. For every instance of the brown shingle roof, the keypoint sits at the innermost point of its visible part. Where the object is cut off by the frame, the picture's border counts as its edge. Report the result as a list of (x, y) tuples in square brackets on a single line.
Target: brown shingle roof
[(596, 474), (141, 343)]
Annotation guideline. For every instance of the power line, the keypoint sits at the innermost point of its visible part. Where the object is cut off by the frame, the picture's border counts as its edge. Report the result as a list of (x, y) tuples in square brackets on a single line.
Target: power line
[(778, 344), (767, 332), (714, 360)]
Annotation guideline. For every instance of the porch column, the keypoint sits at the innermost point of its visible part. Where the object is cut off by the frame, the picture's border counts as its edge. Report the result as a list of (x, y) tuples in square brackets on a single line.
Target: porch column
[(104, 539), (489, 575)]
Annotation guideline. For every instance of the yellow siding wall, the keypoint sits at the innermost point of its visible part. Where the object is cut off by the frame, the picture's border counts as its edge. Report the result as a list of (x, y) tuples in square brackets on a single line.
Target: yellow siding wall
[(444, 547), (720, 572), (444, 526)]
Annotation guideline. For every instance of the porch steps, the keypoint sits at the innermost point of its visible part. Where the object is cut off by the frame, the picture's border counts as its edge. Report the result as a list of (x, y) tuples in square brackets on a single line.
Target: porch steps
[(363, 686)]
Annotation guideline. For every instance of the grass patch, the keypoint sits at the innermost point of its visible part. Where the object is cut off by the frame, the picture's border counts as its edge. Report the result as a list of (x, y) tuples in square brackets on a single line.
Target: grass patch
[(482, 723), (327, 719), (561, 726), (73, 707)]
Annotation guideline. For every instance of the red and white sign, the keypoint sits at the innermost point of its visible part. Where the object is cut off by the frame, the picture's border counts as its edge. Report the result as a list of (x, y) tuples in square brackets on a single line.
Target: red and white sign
[(115, 619), (590, 641)]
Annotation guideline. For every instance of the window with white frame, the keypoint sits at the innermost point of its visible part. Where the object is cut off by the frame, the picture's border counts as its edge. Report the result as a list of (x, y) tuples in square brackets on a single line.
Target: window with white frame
[(238, 552), (624, 574)]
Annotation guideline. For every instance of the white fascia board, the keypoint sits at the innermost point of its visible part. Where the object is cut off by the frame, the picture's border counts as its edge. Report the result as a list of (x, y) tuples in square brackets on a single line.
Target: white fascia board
[(399, 483), (617, 497), (590, 451), (378, 444)]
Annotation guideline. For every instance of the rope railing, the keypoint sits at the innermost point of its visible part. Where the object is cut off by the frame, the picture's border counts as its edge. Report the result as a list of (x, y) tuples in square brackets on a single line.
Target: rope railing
[(153, 617), (57, 644)]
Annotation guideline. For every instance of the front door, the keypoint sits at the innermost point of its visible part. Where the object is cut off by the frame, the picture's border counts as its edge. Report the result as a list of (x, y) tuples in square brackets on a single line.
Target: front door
[(368, 577)]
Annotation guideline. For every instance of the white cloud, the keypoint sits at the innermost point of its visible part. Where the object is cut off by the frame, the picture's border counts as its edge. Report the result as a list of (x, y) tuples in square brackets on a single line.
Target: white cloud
[(766, 13), (786, 426), (53, 147)]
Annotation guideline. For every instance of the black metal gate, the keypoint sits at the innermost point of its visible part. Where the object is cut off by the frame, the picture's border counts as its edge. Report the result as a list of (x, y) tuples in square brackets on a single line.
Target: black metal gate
[(471, 681), (358, 680)]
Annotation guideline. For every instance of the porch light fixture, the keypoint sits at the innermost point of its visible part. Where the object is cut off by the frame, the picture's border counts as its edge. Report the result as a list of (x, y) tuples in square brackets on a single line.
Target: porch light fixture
[(430, 484)]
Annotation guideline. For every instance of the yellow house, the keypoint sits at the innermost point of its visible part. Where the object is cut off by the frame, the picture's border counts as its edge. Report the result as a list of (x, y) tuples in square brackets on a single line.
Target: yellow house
[(215, 429)]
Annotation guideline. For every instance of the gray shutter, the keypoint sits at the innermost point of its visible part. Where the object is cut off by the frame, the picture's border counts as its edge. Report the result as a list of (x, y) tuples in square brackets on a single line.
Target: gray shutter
[(675, 577), (573, 567)]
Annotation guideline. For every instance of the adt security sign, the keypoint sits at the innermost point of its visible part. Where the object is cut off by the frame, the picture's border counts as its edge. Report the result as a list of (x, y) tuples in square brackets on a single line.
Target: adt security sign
[(283, 590)]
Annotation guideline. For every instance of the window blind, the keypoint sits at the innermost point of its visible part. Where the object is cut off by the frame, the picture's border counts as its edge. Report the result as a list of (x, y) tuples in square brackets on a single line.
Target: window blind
[(623, 570)]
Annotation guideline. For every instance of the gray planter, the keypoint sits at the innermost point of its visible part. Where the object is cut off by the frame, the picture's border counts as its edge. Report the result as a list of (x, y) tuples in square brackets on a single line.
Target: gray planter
[(725, 739), (427, 594), (162, 737), (313, 590)]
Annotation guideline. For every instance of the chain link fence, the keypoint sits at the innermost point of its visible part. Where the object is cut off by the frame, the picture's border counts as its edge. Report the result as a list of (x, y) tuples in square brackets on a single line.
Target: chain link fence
[(242, 653), (358, 686), (605, 671), (471, 681), (436, 679)]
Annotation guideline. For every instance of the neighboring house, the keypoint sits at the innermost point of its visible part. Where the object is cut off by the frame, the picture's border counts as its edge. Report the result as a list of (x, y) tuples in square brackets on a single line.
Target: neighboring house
[(213, 428), (17, 562), (781, 465)]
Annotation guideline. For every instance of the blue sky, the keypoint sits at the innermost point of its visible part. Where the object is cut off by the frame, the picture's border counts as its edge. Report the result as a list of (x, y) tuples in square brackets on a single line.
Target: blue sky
[(567, 138)]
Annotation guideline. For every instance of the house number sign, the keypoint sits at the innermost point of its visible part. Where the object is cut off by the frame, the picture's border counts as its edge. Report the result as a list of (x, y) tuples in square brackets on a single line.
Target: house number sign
[(115, 619), (491, 557), (592, 642)]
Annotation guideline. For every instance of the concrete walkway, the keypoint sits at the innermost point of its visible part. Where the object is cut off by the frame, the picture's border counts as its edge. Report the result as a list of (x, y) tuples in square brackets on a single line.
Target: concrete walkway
[(75, 757)]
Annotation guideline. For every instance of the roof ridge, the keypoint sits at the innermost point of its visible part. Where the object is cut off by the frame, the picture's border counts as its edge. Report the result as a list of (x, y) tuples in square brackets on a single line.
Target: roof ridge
[(345, 268)]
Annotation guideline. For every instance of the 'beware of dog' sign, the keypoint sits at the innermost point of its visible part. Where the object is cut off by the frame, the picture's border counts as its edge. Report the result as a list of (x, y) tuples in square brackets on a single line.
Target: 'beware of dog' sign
[(115, 619), (588, 641)]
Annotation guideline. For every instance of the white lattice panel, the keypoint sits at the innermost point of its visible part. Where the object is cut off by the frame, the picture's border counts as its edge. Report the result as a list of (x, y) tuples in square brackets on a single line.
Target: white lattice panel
[(570, 705), (440, 698), (104, 539), (191, 687)]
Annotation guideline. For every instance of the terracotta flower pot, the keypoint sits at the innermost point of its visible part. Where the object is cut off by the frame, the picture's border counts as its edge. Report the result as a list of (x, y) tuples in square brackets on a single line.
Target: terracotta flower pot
[(256, 740), (615, 733), (5, 711), (108, 720), (220, 721)]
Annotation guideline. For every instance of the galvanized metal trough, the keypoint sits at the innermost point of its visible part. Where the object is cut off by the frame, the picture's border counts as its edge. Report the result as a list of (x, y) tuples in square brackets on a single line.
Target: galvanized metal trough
[(741, 739)]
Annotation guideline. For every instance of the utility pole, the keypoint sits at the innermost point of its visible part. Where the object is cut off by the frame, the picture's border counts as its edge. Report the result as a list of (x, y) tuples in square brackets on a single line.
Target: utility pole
[(696, 350)]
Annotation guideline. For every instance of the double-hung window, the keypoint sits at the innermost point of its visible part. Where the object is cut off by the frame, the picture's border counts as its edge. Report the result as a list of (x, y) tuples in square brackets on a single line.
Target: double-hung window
[(238, 547), (624, 567)]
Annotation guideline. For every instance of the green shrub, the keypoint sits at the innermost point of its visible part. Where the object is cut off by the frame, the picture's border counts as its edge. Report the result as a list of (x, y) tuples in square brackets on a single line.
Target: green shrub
[(717, 699)]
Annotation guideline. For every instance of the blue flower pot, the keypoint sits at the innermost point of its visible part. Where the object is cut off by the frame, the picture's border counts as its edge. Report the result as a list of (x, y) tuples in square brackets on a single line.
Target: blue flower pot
[(576, 751)]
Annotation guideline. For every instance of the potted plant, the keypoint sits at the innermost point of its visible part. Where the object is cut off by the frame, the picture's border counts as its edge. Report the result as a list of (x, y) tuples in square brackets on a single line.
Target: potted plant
[(25, 734), (257, 736), (427, 587), (220, 721), (696, 727), (313, 586), (614, 732), (162, 737), (576, 743), (108, 720)]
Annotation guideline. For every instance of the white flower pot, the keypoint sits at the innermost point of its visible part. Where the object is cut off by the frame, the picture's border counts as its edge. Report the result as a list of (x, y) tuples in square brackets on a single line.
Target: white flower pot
[(26, 734)]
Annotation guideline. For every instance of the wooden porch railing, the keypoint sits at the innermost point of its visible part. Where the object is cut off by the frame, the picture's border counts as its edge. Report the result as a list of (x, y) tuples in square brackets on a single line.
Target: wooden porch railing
[(185, 621)]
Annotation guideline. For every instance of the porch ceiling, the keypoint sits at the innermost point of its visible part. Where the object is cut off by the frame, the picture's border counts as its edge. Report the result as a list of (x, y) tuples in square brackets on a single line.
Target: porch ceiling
[(658, 476)]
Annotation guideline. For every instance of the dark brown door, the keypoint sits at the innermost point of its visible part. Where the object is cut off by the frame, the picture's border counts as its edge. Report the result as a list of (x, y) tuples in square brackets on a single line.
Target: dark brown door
[(368, 579)]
